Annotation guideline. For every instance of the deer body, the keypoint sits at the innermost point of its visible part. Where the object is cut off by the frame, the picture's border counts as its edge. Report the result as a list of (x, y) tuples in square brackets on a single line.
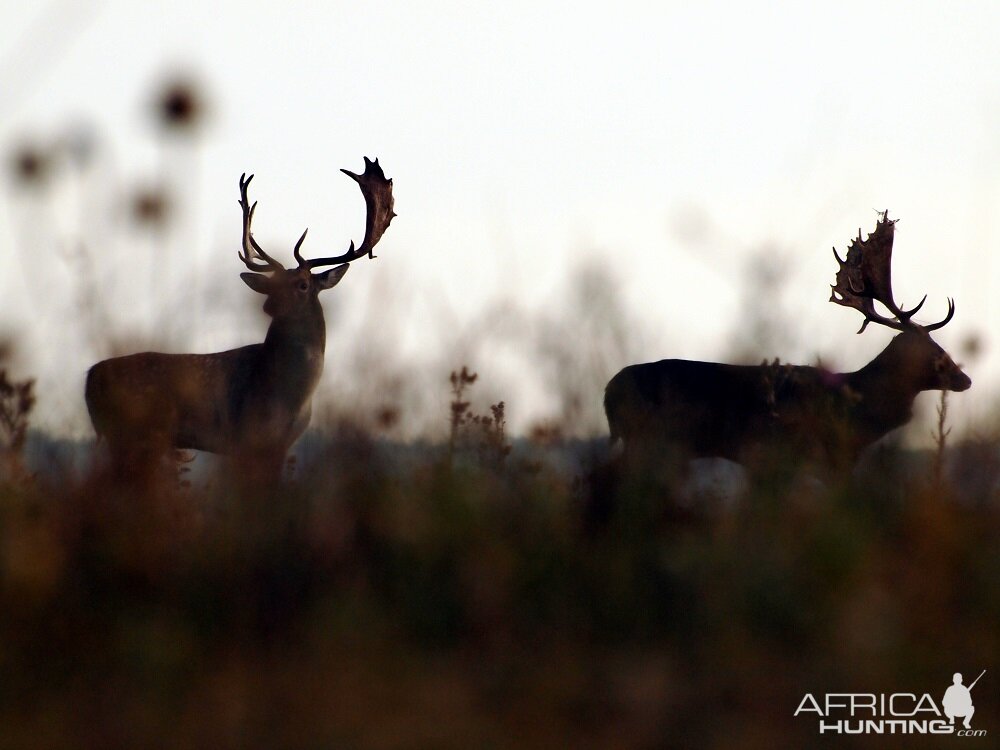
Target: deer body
[(207, 402), (252, 402), (707, 409)]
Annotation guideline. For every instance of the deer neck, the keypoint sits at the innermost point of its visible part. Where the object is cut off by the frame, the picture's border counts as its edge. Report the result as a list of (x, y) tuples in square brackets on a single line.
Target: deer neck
[(293, 352), (885, 393), (305, 332)]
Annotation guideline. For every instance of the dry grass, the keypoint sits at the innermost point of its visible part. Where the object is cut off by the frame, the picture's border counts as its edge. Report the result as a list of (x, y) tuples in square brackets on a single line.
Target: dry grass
[(380, 602), (462, 594)]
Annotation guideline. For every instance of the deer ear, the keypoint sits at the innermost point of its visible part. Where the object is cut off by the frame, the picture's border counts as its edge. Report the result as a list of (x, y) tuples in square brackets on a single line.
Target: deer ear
[(330, 278), (257, 282)]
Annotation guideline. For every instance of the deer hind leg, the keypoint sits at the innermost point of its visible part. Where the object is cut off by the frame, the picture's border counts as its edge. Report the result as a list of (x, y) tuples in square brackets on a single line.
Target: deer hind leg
[(138, 457), (645, 485), (652, 463), (259, 466)]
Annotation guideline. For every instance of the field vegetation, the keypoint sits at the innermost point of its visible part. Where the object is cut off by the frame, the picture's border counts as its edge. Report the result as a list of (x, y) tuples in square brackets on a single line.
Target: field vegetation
[(450, 584), (482, 592)]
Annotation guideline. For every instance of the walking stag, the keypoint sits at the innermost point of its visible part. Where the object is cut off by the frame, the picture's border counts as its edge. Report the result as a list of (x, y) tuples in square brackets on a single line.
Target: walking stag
[(692, 409), (252, 402)]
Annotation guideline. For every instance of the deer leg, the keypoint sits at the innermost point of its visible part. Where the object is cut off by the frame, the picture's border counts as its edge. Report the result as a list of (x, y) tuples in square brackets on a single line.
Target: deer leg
[(135, 459), (260, 466)]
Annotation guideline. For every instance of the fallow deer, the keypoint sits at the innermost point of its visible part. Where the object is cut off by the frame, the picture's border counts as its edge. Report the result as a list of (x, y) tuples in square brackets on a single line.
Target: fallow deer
[(252, 402), (706, 409)]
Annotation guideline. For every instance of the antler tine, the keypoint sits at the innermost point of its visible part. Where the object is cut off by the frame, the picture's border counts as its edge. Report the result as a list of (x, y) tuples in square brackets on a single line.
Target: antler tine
[(377, 191), (250, 247), (949, 316), (910, 313), (298, 257)]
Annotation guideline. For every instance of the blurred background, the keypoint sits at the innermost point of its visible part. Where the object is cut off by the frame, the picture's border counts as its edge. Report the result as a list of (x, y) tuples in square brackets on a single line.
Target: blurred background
[(578, 187)]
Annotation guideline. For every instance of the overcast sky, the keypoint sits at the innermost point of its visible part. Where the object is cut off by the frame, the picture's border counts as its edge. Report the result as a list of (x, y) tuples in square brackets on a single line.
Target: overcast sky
[(668, 142)]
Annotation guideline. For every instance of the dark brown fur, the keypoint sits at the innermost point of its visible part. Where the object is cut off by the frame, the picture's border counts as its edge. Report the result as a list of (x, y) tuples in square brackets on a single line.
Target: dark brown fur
[(705, 409)]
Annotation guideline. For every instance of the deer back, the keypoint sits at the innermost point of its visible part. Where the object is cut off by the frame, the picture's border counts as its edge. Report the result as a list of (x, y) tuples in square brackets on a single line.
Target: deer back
[(729, 411)]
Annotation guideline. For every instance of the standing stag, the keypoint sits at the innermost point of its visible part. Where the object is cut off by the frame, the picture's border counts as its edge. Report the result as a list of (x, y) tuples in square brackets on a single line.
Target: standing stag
[(706, 409), (252, 402)]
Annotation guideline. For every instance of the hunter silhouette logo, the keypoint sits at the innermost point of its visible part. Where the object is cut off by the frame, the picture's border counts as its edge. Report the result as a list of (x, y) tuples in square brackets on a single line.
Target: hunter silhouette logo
[(894, 713), (957, 700)]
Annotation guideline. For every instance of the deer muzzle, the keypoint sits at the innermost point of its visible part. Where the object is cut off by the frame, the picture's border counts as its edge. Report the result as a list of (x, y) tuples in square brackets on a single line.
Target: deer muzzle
[(959, 381)]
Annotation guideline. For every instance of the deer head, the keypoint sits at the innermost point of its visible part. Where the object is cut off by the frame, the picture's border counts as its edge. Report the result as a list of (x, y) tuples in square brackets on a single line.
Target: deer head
[(293, 292), (864, 277)]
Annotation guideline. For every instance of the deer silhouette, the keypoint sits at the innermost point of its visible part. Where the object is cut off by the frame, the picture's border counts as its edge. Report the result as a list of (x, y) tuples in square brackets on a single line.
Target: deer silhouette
[(707, 409), (253, 402)]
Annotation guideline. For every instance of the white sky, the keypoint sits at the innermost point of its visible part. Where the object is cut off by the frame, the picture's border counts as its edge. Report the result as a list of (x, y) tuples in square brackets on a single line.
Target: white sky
[(667, 140)]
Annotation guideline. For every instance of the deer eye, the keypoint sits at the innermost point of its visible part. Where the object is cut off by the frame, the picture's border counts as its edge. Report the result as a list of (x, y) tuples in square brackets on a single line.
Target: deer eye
[(303, 286)]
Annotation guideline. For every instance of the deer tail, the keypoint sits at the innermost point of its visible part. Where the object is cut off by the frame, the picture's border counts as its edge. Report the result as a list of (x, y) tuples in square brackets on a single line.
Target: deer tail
[(613, 407), (92, 395)]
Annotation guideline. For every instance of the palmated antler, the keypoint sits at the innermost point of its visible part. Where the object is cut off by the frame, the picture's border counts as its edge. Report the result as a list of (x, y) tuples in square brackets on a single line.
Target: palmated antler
[(251, 250), (866, 276), (377, 191)]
